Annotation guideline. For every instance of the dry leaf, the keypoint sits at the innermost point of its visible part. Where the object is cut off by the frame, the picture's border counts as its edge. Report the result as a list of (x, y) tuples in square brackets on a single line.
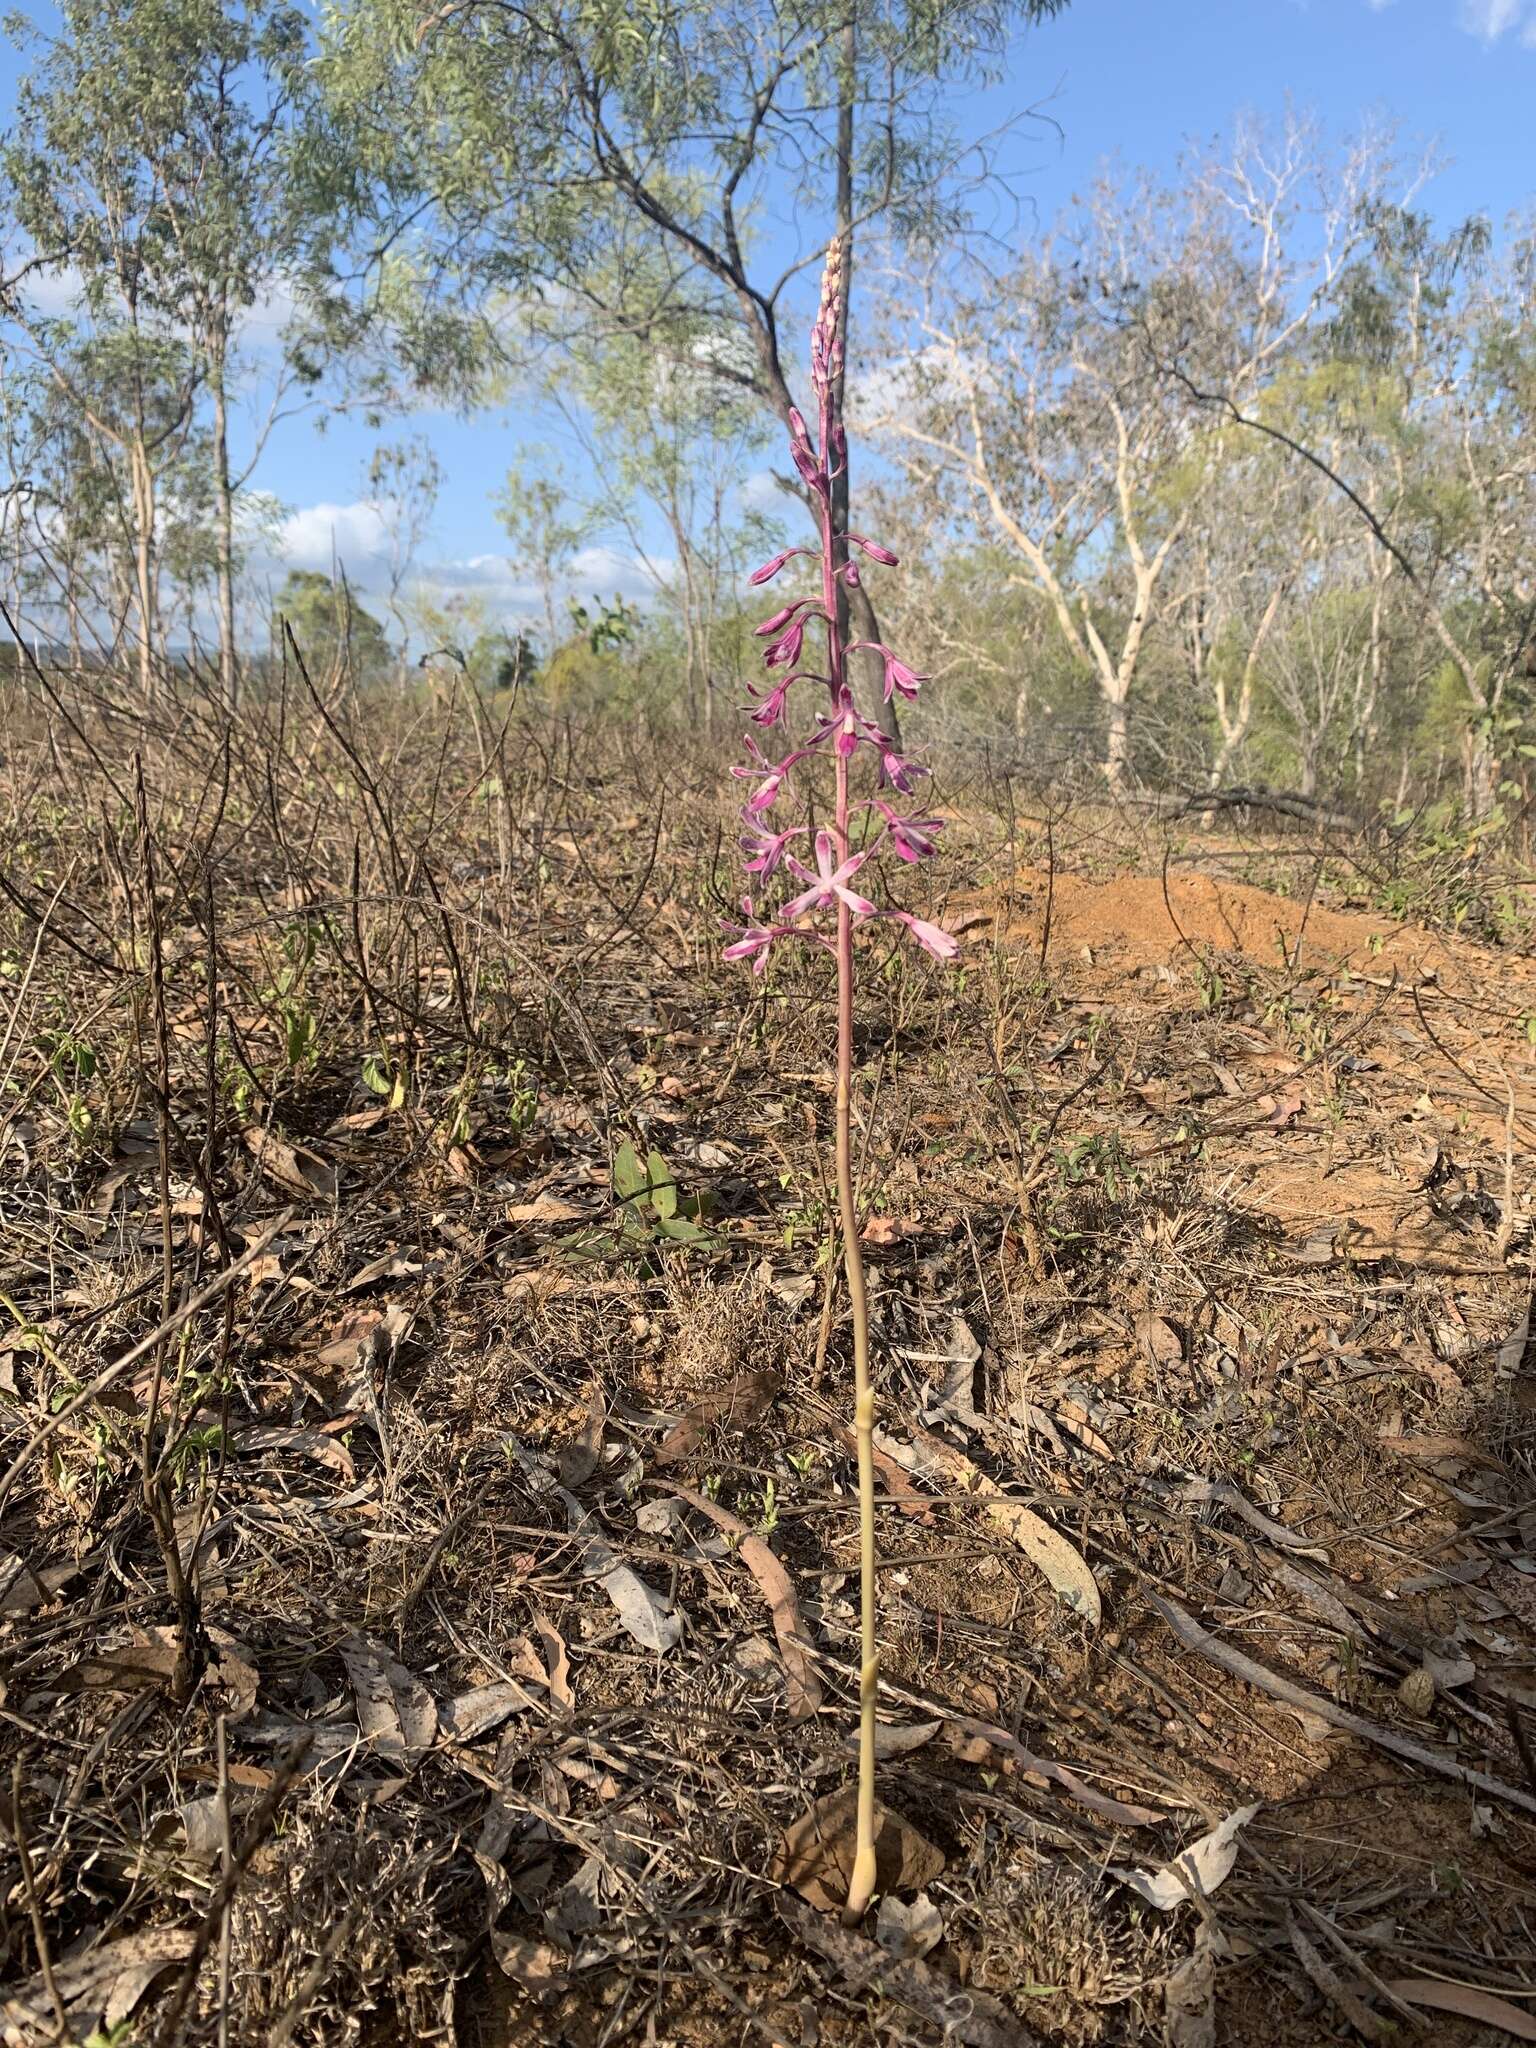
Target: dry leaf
[(899, 1489), (546, 1208), (130, 1668), (777, 1588), (390, 1265), (202, 1822), (1074, 1418), (909, 1930), (1432, 1448), (309, 1443), (1159, 1339), (537, 1965), (484, 1707), (1189, 1998), (559, 1663), (364, 1340), (395, 1713), (294, 1168), (105, 1983), (1208, 1862), (816, 1854), (580, 1458), (891, 1739), (881, 1230), (648, 1615), (1467, 2002), (1060, 1561), (737, 1406), (233, 1672), (21, 1590)]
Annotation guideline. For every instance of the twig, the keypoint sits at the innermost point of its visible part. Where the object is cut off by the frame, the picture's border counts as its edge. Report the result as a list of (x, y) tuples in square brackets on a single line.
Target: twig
[(34, 1907), (1204, 1644), (255, 1834), (119, 1366)]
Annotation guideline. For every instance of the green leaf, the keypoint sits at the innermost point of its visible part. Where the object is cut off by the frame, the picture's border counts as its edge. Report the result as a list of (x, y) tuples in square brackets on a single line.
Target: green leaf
[(663, 1186), (628, 1174)]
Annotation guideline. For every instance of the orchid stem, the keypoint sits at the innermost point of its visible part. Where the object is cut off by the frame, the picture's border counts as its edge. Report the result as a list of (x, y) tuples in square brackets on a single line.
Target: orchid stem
[(834, 550), (845, 732), (862, 1883)]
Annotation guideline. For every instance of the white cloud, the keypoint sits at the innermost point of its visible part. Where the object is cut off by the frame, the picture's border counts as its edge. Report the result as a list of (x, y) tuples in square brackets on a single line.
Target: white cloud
[(1488, 20), (55, 292), (883, 391), (609, 572), (355, 537), (762, 492), (317, 536)]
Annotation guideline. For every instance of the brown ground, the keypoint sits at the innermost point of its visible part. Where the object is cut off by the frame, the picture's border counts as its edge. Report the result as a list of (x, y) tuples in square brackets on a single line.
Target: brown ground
[(1208, 1240)]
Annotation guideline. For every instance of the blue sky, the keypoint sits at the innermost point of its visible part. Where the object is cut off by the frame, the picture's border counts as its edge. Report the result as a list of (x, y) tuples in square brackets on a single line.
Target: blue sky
[(1137, 79)]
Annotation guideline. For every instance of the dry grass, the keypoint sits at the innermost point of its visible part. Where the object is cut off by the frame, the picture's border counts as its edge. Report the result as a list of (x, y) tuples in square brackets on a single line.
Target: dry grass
[(1210, 1246)]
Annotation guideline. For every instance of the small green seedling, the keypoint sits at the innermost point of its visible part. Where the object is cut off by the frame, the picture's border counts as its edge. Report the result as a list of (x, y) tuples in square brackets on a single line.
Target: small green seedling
[(653, 1210)]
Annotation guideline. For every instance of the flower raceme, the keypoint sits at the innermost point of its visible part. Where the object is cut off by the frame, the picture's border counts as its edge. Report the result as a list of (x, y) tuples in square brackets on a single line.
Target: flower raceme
[(840, 726), (826, 907)]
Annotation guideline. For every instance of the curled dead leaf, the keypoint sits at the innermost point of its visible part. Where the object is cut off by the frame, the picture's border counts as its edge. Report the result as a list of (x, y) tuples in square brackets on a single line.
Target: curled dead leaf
[(294, 1168), (815, 1856), (1195, 1871), (737, 1406)]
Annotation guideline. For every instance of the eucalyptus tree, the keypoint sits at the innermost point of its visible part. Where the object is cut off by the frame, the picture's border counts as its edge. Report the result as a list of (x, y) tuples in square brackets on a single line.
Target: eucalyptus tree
[(152, 167), (1039, 394), (1414, 402), (627, 158), (1439, 327), (667, 437)]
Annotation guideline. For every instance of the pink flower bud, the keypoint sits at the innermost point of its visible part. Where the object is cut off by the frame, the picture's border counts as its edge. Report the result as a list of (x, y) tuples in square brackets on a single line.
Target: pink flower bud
[(771, 569), (780, 618), (809, 467), (875, 552)]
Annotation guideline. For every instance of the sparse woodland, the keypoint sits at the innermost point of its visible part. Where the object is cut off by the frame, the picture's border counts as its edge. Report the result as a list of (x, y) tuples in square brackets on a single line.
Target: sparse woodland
[(434, 1268)]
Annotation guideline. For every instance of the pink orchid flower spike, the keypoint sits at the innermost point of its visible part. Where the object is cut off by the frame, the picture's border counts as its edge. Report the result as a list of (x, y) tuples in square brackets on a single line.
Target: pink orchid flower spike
[(848, 749)]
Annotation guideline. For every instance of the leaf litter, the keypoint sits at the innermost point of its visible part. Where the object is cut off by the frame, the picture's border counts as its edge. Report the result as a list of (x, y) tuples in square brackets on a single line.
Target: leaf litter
[(1205, 1472)]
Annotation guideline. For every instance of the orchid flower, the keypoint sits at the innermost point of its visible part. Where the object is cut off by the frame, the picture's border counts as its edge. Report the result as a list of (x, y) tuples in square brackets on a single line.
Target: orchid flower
[(912, 839), (829, 884), (785, 651), (941, 944), (897, 772), (827, 908), (771, 772), (765, 849), (900, 679)]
